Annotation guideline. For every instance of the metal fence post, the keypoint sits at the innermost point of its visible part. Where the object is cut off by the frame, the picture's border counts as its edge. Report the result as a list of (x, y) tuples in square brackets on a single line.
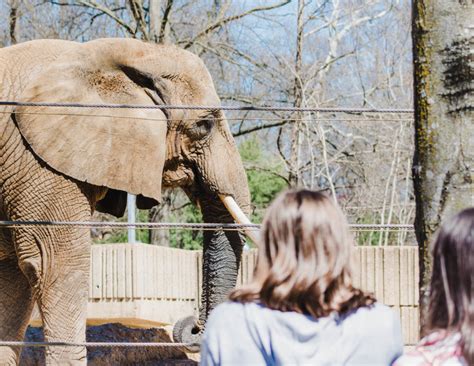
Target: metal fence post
[(131, 233)]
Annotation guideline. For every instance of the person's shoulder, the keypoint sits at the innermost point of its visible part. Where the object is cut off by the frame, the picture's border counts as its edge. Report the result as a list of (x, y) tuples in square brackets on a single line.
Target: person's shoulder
[(226, 312), (228, 307), (439, 347), (372, 311), (377, 317)]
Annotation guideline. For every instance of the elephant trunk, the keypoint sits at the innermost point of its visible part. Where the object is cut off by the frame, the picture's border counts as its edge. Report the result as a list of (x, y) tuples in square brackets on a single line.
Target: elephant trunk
[(222, 253), (223, 194)]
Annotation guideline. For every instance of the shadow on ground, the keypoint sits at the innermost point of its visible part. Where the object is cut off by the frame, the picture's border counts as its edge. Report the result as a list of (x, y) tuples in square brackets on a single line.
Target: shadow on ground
[(115, 332)]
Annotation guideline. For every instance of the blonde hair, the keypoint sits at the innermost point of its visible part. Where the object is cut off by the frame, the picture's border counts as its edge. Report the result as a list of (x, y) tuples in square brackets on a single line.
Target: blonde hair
[(304, 260)]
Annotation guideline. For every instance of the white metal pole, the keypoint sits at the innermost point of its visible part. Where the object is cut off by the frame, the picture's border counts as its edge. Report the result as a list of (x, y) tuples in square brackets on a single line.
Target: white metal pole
[(131, 217)]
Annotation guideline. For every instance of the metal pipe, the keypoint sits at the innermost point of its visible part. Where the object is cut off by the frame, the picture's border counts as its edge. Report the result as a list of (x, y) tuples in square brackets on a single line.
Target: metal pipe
[(131, 218)]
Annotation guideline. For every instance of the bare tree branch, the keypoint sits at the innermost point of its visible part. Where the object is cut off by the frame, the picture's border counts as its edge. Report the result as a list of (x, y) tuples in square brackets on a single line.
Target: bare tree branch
[(222, 22), (13, 20), (259, 128), (94, 5), (136, 7), (165, 20)]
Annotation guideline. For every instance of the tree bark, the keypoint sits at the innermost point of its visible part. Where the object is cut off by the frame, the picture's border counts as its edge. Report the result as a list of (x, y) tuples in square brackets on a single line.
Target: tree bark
[(444, 130), (160, 213), (294, 176)]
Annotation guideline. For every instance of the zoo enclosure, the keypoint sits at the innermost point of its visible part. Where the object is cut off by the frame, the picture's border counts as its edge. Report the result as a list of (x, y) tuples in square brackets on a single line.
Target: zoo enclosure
[(145, 285), (150, 285)]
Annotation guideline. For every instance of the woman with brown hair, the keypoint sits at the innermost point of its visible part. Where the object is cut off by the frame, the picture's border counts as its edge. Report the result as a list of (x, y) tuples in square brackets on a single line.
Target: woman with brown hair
[(301, 307), (451, 307)]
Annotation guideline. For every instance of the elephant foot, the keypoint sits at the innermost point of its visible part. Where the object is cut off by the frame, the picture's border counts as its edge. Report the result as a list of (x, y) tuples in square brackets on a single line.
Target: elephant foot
[(188, 330)]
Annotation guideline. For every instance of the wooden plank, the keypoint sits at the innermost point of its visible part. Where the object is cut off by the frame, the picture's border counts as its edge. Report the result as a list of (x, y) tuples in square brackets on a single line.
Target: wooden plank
[(128, 272), (379, 274), (412, 282), (115, 270), (154, 283), (240, 273), (109, 274), (391, 276), (417, 276), (160, 274), (370, 269), (252, 264), (404, 276), (138, 271), (192, 265), (181, 276), (356, 267), (91, 275), (121, 272), (166, 275), (188, 275), (199, 276), (363, 268), (247, 266), (96, 275), (405, 324), (415, 321), (149, 262), (174, 261)]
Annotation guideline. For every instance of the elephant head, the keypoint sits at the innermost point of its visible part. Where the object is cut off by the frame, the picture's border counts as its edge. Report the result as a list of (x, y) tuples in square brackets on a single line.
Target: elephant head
[(142, 150)]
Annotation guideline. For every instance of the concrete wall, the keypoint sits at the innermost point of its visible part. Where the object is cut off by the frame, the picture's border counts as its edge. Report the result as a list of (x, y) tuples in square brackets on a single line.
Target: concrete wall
[(145, 285)]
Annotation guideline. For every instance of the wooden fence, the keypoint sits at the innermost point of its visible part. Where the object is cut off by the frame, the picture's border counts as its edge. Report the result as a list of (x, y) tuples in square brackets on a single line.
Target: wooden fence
[(143, 285)]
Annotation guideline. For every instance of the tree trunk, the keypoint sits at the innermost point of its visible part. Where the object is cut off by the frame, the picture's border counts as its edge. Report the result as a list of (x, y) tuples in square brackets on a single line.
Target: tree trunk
[(294, 176), (160, 213), (444, 129)]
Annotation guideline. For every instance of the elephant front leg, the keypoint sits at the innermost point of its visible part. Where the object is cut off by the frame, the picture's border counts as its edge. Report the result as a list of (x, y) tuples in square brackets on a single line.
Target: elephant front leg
[(63, 305), (16, 305)]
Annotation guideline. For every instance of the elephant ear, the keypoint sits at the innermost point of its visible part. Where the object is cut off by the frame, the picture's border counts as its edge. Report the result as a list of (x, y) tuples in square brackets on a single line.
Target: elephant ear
[(122, 149)]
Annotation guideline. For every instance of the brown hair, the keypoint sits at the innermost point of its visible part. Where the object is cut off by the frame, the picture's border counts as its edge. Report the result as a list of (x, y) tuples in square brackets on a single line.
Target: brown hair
[(452, 285), (304, 260)]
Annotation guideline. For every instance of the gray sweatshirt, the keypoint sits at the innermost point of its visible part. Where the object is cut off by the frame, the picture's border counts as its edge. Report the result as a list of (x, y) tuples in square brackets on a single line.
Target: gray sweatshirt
[(251, 334)]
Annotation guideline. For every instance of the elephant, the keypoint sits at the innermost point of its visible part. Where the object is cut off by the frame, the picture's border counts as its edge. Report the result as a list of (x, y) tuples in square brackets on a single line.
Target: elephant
[(61, 164)]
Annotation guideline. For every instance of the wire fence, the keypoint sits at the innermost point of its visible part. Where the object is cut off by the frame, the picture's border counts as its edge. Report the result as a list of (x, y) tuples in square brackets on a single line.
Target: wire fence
[(98, 344), (204, 107), (188, 226), (365, 115)]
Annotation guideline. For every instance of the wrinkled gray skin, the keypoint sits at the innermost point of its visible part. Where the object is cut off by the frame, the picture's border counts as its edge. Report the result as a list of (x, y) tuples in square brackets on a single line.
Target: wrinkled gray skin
[(50, 266)]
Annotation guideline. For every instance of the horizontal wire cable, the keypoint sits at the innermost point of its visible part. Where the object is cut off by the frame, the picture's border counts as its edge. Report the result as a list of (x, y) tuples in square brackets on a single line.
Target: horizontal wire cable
[(203, 107), (173, 225), (266, 119), (97, 344)]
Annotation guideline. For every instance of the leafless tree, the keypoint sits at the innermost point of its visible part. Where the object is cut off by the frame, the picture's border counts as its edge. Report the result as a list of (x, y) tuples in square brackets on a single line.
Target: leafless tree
[(320, 53), (444, 132)]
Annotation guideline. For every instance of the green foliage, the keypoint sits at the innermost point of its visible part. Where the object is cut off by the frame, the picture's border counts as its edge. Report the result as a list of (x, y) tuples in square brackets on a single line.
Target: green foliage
[(182, 238), (369, 237), (378, 237), (264, 174)]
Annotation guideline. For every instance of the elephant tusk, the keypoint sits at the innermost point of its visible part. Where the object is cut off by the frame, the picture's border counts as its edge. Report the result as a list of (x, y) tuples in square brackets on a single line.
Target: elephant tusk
[(239, 217)]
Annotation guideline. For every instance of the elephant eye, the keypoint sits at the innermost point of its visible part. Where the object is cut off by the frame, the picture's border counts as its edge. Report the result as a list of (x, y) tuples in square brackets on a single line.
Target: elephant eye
[(201, 129)]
